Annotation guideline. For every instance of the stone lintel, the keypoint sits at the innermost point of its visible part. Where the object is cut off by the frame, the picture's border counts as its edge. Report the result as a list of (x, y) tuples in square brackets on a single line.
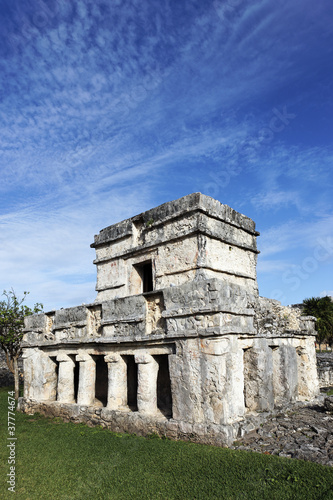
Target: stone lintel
[(143, 358), (64, 357), (215, 347), (190, 311), (112, 358), (83, 356), (137, 319), (63, 326)]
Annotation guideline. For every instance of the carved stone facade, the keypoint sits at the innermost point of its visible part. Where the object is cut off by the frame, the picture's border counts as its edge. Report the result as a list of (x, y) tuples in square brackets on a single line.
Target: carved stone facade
[(178, 341)]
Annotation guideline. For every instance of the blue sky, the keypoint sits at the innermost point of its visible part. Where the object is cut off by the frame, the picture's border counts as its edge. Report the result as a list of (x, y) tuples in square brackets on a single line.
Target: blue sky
[(110, 108)]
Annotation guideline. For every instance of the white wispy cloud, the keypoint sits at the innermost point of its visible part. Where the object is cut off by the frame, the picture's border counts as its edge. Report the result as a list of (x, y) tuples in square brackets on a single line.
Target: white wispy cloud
[(47, 250), (278, 199), (295, 234)]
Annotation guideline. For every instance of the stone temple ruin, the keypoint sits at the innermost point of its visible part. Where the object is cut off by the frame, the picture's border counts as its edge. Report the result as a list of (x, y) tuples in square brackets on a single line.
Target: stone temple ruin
[(178, 341)]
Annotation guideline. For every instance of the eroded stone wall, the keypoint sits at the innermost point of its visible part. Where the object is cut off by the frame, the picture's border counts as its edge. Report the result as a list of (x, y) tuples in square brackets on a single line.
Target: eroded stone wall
[(325, 369)]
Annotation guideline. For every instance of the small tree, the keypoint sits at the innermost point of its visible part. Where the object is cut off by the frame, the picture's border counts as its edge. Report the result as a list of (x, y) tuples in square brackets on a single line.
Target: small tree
[(322, 309), (12, 314)]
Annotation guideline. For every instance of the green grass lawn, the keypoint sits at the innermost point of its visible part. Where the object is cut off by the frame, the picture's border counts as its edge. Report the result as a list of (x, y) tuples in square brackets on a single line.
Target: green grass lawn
[(69, 461)]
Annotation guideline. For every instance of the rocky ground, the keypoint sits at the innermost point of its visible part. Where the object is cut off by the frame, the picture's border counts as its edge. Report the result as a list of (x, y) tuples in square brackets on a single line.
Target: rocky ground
[(305, 432)]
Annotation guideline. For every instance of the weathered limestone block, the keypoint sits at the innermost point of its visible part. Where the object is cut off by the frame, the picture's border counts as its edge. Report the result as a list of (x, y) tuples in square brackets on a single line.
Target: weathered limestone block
[(154, 309), (147, 383), (124, 317), (185, 368), (285, 378), (234, 394), (29, 356), (328, 402), (177, 257), (94, 318), (208, 307), (215, 379), (258, 377), (40, 381), (207, 381), (211, 294), (207, 324), (65, 318), (307, 324), (35, 322), (111, 272), (32, 373), (273, 319), (228, 258), (38, 327)]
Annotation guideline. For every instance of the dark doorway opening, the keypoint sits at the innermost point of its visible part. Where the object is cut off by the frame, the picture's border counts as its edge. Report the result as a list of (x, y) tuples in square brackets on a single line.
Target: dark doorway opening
[(76, 375), (164, 395), (132, 382), (101, 383), (76, 379), (54, 396), (145, 271), (147, 277)]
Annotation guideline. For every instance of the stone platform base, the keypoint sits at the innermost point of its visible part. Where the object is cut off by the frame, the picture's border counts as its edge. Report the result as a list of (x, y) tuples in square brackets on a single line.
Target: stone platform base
[(139, 424), (144, 425)]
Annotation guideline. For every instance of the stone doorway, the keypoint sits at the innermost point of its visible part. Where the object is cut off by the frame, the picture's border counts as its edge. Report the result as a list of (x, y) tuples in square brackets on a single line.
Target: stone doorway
[(101, 383), (145, 272), (54, 392), (164, 395), (76, 377), (132, 382)]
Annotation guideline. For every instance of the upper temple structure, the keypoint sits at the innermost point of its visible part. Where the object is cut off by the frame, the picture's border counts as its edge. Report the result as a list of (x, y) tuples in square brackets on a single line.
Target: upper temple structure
[(178, 341)]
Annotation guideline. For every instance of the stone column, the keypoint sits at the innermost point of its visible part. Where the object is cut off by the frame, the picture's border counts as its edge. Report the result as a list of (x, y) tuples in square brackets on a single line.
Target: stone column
[(258, 377), (308, 385), (50, 379), (117, 381), (87, 379), (147, 383), (65, 379), (222, 380), (28, 373), (285, 374), (235, 370)]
